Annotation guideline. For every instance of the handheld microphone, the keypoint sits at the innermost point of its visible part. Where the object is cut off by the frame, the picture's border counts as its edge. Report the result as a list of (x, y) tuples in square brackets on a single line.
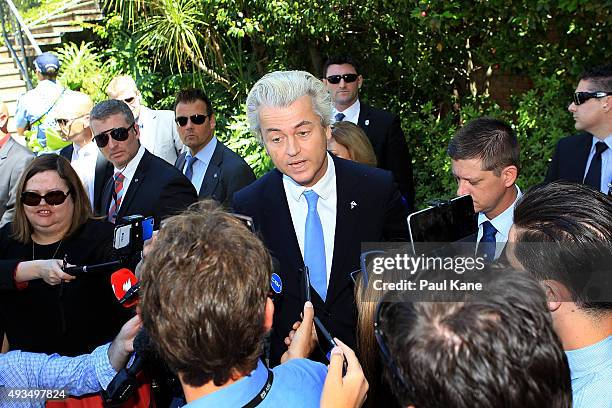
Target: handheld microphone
[(125, 287), (78, 270)]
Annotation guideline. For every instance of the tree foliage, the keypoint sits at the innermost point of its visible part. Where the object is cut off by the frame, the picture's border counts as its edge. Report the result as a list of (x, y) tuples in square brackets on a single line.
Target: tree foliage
[(436, 63)]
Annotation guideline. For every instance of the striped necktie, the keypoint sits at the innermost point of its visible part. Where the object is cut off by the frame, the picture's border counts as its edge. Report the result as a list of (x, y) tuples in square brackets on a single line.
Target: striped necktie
[(119, 178)]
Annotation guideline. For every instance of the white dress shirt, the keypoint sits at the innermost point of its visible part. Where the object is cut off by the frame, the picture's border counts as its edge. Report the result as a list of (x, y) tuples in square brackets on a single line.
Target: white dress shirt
[(326, 207), (351, 114), (128, 172), (84, 163), (502, 223), (606, 163), (204, 157)]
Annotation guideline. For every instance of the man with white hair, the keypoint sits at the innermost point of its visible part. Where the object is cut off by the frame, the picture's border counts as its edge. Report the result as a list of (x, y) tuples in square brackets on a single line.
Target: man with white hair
[(158, 133), (314, 210)]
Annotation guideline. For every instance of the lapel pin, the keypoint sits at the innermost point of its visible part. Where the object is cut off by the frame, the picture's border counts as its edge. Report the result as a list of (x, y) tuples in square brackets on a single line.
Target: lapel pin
[(215, 176), (367, 122), (353, 204)]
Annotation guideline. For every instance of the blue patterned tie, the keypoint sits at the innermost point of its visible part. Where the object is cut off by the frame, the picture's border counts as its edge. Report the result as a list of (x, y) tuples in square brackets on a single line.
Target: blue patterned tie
[(314, 246), (486, 247), (340, 116), (189, 170)]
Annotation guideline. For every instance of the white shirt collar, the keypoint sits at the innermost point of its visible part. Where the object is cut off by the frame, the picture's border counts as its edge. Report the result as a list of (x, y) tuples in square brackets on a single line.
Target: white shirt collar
[(206, 153), (503, 222), (324, 187), (351, 114), (130, 169)]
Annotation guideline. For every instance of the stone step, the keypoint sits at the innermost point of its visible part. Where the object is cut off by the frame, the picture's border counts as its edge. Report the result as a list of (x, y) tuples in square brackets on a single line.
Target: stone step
[(57, 27), (84, 6), (84, 15), (48, 38), (12, 86), (9, 74)]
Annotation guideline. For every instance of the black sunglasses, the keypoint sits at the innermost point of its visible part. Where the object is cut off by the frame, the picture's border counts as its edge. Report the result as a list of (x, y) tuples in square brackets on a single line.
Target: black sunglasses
[(195, 119), (582, 97), (65, 122), (129, 100), (348, 78), (119, 134), (55, 197)]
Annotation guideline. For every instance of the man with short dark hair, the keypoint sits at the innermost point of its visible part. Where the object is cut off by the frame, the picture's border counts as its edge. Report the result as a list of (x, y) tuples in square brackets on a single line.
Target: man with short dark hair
[(343, 80), (562, 235), (485, 156), (156, 127), (497, 348), (587, 156), (142, 183), (205, 305), (213, 169)]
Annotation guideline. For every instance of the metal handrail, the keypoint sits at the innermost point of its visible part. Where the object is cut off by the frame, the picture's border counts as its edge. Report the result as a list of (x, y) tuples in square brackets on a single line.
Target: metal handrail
[(53, 13), (24, 27), (17, 28)]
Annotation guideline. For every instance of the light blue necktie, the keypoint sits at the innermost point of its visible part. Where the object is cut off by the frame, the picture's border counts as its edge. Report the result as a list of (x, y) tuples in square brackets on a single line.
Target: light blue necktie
[(189, 170), (486, 247), (314, 246)]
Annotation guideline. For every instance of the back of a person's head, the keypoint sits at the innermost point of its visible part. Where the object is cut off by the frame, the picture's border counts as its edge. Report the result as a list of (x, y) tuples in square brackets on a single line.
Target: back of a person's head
[(487, 139), (204, 289), (495, 349), (119, 84), (563, 232)]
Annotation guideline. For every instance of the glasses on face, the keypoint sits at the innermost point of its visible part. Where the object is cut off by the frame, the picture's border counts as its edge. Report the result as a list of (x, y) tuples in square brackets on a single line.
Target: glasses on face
[(119, 134), (348, 78), (582, 97), (129, 100), (195, 119), (55, 197), (65, 122)]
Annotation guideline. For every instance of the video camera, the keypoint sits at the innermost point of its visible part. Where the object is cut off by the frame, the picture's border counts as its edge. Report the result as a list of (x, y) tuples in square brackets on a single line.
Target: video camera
[(130, 235)]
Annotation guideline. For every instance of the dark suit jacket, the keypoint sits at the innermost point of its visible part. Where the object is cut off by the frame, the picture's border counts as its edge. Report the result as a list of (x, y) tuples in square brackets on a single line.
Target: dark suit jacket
[(570, 158), (227, 173), (157, 189), (389, 143), (104, 171), (379, 215)]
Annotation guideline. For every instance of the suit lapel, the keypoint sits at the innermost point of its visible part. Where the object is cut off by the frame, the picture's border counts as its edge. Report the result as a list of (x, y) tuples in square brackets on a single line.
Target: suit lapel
[(180, 162), (213, 173), (347, 217), (102, 174), (364, 119), (582, 156)]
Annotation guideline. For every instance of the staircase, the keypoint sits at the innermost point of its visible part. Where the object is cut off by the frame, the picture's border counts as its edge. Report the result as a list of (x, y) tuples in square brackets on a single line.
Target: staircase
[(48, 33)]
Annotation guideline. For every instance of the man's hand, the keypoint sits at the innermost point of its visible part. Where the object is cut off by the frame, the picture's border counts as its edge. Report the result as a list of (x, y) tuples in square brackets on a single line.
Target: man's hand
[(123, 345), (344, 392), (49, 270), (303, 338)]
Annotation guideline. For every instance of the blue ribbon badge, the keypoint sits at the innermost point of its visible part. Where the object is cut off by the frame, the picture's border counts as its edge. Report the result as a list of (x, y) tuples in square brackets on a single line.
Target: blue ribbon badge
[(276, 283)]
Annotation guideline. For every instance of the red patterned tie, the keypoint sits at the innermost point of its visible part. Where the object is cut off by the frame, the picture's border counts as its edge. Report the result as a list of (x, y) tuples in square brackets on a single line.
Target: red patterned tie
[(117, 197)]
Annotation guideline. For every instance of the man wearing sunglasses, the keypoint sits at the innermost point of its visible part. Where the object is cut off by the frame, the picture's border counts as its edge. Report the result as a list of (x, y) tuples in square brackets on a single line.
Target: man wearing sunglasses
[(72, 117), (214, 170), (157, 130), (587, 156), (14, 158), (142, 183), (342, 79)]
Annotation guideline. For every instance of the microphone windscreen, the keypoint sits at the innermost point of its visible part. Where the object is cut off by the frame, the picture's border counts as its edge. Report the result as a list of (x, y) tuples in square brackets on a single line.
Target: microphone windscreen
[(121, 281)]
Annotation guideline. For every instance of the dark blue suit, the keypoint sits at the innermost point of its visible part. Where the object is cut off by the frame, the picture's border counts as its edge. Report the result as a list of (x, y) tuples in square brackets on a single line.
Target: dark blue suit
[(570, 158), (378, 215)]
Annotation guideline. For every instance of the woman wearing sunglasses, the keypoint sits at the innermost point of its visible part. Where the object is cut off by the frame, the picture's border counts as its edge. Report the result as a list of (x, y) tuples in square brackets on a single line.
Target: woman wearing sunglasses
[(53, 225)]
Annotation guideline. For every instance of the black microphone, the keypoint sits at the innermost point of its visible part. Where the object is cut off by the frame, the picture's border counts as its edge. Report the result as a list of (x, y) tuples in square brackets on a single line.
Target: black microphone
[(78, 270)]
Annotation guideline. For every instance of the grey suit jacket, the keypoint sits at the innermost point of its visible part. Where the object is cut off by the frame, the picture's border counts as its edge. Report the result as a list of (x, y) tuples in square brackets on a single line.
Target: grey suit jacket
[(14, 158), (158, 133), (226, 173)]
